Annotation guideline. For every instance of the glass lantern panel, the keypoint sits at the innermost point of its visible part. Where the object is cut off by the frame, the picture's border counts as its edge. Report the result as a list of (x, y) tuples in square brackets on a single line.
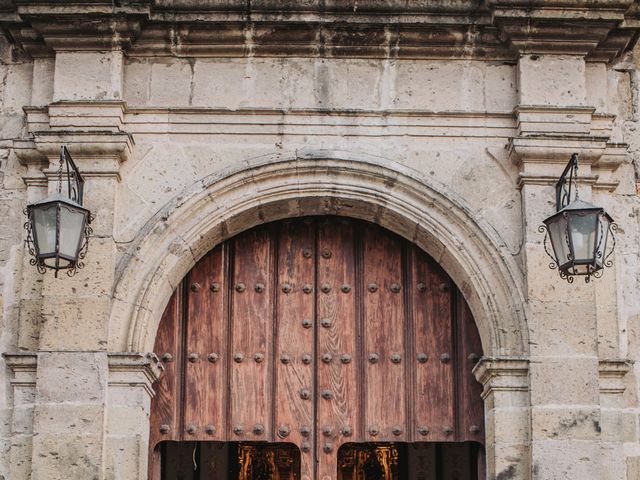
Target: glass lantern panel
[(582, 228), (602, 235), (44, 226), (71, 230), (558, 236)]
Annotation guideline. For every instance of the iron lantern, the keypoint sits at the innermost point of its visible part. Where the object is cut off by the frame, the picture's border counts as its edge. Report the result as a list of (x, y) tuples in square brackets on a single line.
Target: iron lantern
[(579, 231), (58, 226)]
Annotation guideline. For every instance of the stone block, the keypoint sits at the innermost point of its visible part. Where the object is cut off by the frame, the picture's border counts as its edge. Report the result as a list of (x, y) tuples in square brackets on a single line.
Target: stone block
[(137, 81), (564, 380), (597, 86), (64, 456), (567, 459), (17, 89), (554, 80), (69, 418), (88, 76), (43, 75), (171, 83), (123, 460), (565, 423), (507, 461), (72, 377)]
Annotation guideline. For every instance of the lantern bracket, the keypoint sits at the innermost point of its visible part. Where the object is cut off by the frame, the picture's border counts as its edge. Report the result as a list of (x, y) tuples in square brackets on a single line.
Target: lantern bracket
[(567, 182), (75, 182)]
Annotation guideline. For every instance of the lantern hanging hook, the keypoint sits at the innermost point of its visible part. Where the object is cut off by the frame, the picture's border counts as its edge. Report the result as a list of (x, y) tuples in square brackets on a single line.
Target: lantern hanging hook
[(567, 182)]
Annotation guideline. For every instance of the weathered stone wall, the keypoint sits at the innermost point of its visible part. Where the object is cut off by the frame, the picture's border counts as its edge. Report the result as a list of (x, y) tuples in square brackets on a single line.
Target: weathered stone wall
[(181, 151)]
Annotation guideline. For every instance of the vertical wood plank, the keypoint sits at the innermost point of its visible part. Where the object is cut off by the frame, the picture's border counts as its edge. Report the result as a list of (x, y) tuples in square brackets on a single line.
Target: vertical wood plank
[(433, 353), (384, 336), (165, 411), (206, 355), (251, 337), (338, 363), (469, 389), (295, 338)]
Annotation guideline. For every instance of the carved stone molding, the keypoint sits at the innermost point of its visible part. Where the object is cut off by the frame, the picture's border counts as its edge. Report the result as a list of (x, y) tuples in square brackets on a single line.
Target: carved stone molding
[(499, 29), (131, 369), (23, 366), (612, 373), (502, 374)]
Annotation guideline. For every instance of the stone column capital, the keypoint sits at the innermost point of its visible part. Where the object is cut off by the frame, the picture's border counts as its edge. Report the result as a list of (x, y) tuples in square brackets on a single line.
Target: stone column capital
[(132, 369), (507, 374), (23, 366)]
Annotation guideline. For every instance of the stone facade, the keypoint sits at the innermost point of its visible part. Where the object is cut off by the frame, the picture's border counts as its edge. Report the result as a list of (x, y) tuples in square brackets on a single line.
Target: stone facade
[(446, 122)]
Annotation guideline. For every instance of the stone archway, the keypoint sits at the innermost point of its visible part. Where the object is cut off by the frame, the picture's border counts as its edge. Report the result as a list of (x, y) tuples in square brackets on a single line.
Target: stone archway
[(320, 183)]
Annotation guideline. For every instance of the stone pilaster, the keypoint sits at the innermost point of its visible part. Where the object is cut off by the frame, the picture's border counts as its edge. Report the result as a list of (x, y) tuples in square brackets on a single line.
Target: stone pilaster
[(506, 404), (23, 392), (127, 425)]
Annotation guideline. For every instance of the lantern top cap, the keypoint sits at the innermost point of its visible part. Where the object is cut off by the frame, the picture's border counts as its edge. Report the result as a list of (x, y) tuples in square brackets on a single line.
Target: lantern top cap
[(57, 197), (577, 205)]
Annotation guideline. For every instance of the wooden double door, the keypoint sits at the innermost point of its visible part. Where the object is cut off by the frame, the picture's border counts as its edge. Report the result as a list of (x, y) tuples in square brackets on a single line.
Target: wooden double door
[(317, 332)]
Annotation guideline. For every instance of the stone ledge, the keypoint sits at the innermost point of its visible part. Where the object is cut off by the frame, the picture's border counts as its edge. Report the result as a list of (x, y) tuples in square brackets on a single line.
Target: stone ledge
[(502, 374), (131, 369), (612, 373)]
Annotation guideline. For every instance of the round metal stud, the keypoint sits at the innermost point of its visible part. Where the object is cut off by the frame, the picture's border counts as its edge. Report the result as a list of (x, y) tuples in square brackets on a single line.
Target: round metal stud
[(473, 358), (327, 357), (214, 287), (326, 253), (307, 288), (305, 447), (326, 322), (238, 357), (164, 428), (327, 394), (191, 429), (283, 431), (421, 287), (395, 287), (305, 431), (443, 287), (258, 429), (374, 430), (238, 430), (327, 430), (259, 287), (305, 394), (474, 429), (448, 430), (306, 253), (327, 448), (372, 287), (423, 357), (212, 357), (240, 287), (210, 429), (193, 357), (374, 357), (258, 357), (167, 358), (396, 430), (196, 287), (286, 288), (345, 358), (307, 323), (347, 431), (422, 430), (445, 358), (306, 359), (286, 359), (345, 288), (396, 358), (326, 288)]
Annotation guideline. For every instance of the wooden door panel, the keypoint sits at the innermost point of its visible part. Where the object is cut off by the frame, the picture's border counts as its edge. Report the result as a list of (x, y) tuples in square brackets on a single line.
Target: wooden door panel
[(337, 330), (250, 392), (384, 336), (295, 339), (206, 353), (434, 392), (319, 332)]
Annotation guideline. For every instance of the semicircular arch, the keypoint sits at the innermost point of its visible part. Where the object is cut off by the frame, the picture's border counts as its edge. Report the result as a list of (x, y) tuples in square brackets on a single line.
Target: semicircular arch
[(274, 187)]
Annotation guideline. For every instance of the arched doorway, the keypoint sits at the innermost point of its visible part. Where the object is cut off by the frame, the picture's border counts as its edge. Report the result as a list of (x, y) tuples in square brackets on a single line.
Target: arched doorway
[(322, 333)]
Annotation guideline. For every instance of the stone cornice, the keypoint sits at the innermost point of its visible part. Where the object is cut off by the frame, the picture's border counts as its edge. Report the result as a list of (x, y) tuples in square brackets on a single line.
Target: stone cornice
[(132, 369), (509, 374), (496, 29)]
